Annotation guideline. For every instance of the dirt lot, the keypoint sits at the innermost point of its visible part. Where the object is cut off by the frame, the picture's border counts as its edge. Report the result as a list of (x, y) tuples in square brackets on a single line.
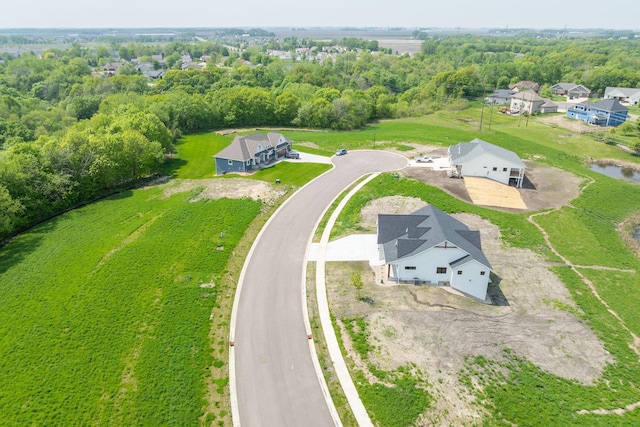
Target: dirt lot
[(436, 329), (233, 188)]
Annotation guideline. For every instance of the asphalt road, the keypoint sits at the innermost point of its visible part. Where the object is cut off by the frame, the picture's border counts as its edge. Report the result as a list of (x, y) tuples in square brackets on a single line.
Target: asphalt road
[(276, 383)]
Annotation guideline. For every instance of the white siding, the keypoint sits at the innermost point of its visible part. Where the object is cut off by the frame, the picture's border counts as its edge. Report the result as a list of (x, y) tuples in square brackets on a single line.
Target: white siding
[(426, 264), (482, 166), (471, 281)]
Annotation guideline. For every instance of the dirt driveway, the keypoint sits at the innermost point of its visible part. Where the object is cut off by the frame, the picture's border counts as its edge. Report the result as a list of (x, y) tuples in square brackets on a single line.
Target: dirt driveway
[(436, 329)]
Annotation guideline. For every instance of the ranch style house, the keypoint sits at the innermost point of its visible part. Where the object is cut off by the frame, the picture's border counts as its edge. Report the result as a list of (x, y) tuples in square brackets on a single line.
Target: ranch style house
[(255, 151), (429, 246), (571, 90), (626, 95)]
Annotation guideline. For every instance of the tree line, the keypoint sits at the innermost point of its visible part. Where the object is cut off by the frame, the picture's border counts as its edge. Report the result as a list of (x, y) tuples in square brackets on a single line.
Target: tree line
[(67, 136)]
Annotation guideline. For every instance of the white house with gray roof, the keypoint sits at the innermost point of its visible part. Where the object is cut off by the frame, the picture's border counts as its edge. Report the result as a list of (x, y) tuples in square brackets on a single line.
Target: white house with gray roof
[(625, 95), (246, 153), (431, 246), (483, 159)]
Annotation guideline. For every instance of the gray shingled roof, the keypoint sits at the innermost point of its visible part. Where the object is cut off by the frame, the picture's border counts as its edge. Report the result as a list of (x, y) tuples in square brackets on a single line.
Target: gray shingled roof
[(528, 95), (610, 105), (407, 235), (467, 151), (502, 93), (565, 86), (625, 91), (244, 148)]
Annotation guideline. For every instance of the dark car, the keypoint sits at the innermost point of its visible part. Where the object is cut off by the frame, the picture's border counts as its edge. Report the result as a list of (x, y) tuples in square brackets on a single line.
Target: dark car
[(341, 152)]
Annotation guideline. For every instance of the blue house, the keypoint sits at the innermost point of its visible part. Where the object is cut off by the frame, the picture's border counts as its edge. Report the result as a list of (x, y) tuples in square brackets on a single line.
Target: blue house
[(608, 112), (246, 153)]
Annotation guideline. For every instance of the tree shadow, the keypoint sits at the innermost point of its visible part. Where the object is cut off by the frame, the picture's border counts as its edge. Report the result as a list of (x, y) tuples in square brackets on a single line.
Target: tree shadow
[(495, 293), (172, 166), (15, 250)]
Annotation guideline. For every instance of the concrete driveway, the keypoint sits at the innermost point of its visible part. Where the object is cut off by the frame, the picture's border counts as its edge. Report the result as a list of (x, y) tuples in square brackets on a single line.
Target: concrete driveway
[(273, 378), (310, 158)]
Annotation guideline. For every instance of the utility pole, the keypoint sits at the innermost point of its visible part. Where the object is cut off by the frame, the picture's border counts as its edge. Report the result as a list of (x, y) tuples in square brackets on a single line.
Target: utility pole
[(490, 115), (374, 140), (530, 111), (481, 115)]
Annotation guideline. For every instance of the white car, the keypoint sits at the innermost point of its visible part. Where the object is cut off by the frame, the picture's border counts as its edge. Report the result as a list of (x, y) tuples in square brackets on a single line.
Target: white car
[(424, 159)]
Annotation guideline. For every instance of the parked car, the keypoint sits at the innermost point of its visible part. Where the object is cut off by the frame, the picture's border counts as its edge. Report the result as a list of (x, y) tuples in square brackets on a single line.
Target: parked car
[(424, 159), (292, 154), (341, 152)]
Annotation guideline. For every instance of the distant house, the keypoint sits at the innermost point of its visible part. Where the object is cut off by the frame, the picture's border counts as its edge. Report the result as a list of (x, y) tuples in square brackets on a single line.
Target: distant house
[(549, 107), (431, 246), (571, 90), (525, 85), (608, 112), (154, 74), (191, 66), (625, 95), (483, 159), (527, 102), (246, 153), (111, 68), (500, 97)]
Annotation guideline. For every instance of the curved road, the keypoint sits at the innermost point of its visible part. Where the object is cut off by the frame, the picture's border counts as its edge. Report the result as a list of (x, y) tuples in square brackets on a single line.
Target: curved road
[(275, 379)]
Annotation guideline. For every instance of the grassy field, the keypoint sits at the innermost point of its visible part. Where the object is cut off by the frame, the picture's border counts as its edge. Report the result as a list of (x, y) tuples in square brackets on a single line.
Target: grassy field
[(104, 311)]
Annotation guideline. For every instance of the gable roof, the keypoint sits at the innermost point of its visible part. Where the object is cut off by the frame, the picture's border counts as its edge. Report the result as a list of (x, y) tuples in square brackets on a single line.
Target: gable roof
[(467, 151), (610, 105), (527, 95), (621, 91), (244, 148), (502, 93), (526, 84), (407, 235)]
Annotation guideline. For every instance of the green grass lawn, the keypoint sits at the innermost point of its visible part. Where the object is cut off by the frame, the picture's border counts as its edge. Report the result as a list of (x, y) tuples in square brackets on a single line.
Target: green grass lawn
[(291, 173), (102, 315), (194, 158)]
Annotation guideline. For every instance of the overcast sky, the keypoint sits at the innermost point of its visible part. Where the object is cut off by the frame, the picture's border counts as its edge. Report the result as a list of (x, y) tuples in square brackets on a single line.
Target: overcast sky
[(621, 14)]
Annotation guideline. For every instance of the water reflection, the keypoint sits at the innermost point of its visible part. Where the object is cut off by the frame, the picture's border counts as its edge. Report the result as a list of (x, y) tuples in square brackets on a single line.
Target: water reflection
[(619, 172)]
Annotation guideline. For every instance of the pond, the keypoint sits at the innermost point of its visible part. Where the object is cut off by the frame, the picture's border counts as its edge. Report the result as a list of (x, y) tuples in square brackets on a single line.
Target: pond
[(615, 171), (636, 234)]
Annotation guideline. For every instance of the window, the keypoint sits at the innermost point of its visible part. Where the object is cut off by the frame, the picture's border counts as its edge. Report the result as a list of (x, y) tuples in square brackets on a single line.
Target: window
[(248, 162), (504, 169), (230, 162), (409, 267), (495, 169), (482, 273), (441, 270), (459, 272)]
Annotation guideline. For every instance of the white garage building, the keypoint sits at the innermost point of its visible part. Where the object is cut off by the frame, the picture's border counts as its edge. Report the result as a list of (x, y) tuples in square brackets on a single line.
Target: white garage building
[(483, 159)]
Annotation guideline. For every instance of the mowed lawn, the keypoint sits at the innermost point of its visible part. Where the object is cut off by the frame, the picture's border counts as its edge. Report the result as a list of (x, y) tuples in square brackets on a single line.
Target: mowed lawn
[(105, 311), (194, 158)]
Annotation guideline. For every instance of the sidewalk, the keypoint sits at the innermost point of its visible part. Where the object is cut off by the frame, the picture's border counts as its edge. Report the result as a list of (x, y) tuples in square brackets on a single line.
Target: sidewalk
[(339, 364)]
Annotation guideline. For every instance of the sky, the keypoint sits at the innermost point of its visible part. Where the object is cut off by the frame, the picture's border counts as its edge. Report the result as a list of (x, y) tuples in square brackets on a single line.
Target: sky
[(537, 14)]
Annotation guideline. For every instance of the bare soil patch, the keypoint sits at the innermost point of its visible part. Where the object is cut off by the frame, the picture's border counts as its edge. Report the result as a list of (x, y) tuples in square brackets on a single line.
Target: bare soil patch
[(436, 329), (570, 124), (233, 188)]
